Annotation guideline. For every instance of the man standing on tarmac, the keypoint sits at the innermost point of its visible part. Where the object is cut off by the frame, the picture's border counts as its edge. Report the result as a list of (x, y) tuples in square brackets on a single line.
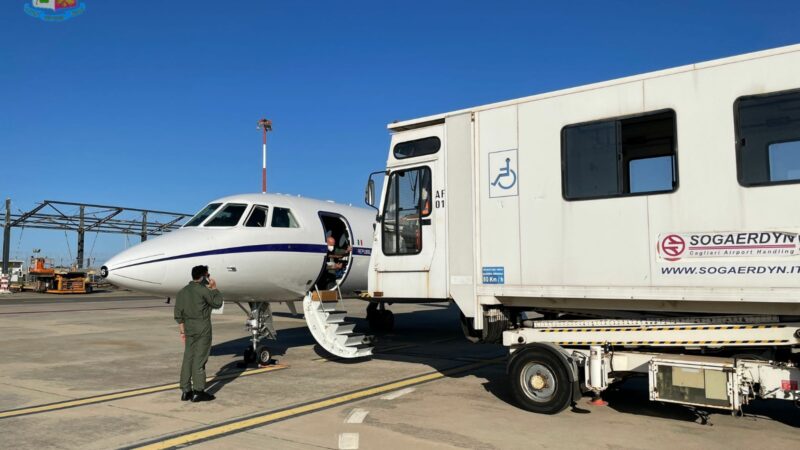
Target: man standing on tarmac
[(193, 306)]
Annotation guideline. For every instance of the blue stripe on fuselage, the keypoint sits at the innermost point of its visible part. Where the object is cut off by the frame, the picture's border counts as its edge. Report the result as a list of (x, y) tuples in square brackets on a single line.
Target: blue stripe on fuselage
[(295, 248)]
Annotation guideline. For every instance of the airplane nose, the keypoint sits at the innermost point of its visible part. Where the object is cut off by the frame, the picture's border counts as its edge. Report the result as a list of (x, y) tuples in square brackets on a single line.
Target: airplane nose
[(142, 267)]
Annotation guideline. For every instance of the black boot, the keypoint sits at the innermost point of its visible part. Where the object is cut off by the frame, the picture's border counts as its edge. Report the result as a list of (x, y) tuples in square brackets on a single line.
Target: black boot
[(202, 396), (186, 395)]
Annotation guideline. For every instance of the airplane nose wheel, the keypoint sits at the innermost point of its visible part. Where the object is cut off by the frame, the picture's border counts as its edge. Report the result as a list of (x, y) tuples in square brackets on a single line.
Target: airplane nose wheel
[(263, 356), (260, 326)]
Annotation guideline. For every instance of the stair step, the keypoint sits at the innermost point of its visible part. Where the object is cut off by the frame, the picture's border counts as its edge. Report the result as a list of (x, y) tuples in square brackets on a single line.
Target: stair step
[(351, 340), (362, 353), (345, 328), (335, 317)]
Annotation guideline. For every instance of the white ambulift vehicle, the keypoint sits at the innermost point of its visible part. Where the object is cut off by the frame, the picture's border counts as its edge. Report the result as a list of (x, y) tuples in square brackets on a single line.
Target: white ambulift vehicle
[(643, 225)]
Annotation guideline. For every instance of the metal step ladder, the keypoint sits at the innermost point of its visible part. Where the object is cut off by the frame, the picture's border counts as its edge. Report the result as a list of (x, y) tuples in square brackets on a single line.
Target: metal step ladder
[(325, 316)]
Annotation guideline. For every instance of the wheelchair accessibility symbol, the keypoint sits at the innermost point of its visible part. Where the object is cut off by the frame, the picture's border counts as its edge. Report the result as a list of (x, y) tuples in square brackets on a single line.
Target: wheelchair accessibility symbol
[(503, 173)]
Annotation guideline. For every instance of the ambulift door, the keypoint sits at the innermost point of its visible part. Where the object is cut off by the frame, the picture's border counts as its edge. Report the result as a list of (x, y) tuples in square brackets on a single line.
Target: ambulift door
[(406, 233)]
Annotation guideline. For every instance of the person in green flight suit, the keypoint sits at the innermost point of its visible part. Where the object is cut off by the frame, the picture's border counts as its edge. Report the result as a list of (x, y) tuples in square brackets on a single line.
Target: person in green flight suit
[(193, 306)]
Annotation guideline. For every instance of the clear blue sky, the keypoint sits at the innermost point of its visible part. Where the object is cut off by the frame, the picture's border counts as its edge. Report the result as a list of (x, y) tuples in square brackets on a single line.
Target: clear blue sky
[(154, 104)]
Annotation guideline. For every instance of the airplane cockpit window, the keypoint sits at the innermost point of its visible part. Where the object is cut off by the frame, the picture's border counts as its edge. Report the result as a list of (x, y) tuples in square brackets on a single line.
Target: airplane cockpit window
[(258, 217), (228, 216), (283, 218), (202, 215)]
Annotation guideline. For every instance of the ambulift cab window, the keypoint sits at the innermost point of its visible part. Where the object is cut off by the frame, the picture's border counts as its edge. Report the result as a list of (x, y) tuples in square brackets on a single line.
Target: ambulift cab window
[(202, 215), (401, 225), (283, 218), (227, 217), (258, 217), (419, 147), (618, 157), (768, 139)]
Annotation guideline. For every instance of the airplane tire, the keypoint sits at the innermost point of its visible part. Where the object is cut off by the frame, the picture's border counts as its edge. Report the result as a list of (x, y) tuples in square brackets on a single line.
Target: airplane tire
[(263, 355)]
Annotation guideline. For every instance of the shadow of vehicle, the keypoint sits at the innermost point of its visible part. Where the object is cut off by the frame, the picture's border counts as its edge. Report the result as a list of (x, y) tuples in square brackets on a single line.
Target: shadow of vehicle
[(433, 337)]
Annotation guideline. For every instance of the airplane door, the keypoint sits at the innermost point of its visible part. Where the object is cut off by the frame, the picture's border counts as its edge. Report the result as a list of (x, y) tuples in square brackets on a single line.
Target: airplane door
[(407, 231)]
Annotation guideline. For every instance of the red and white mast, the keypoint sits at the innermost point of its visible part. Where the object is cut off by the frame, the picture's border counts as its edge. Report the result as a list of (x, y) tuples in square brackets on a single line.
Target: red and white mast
[(265, 125)]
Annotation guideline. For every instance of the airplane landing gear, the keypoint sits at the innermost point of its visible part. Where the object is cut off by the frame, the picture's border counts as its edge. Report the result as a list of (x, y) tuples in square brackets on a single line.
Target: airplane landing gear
[(260, 325), (263, 355), (380, 319)]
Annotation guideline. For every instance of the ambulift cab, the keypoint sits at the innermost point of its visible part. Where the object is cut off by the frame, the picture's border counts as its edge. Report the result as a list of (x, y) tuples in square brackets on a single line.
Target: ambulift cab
[(646, 225)]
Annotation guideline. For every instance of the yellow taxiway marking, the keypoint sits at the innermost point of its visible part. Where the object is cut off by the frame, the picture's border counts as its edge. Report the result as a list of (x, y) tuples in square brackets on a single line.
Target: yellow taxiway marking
[(125, 394), (262, 419)]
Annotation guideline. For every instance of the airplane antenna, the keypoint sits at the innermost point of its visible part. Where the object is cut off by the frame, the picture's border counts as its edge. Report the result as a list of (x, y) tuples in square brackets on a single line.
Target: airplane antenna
[(265, 125)]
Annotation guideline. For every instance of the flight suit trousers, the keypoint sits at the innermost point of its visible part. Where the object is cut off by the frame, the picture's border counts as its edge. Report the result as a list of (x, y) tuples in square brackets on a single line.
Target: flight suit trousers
[(195, 357)]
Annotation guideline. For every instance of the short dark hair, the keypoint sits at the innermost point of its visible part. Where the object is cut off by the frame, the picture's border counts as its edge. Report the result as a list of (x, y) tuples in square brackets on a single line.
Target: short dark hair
[(199, 271)]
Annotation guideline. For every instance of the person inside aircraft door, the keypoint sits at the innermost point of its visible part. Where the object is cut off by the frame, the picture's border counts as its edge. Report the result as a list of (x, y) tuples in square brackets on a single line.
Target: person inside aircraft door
[(408, 201), (337, 259), (338, 251)]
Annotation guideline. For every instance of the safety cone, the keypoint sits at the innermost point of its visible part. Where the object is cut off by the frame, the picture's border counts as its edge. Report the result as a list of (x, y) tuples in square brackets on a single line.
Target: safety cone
[(598, 401)]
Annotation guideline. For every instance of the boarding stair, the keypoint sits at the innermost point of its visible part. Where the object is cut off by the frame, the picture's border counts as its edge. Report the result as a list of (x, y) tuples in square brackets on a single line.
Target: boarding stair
[(325, 315)]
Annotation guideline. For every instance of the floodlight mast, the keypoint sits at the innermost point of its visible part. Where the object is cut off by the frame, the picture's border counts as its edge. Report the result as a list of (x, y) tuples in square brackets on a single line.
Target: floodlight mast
[(265, 125)]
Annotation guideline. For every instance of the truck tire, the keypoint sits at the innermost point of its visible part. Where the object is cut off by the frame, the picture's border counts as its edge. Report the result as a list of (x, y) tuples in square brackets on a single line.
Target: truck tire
[(540, 381)]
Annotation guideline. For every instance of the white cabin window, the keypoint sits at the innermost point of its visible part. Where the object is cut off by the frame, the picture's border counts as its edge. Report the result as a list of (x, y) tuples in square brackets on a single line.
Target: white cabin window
[(283, 218), (228, 216), (768, 139), (619, 157), (258, 217)]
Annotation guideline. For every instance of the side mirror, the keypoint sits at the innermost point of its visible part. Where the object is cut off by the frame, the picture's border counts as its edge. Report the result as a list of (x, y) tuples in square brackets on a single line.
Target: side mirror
[(369, 194)]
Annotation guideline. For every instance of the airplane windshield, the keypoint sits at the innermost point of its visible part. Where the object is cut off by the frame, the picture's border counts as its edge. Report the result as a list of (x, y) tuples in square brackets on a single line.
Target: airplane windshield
[(202, 215), (228, 216)]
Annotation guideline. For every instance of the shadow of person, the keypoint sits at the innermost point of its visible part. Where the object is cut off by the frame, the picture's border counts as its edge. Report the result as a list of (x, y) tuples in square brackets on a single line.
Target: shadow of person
[(226, 374)]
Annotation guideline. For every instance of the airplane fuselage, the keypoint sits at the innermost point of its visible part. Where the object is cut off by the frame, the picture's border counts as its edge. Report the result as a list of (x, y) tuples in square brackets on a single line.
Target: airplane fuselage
[(279, 257)]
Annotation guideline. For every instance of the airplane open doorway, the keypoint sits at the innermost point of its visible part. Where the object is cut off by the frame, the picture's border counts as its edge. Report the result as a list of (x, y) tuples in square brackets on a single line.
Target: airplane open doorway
[(337, 261)]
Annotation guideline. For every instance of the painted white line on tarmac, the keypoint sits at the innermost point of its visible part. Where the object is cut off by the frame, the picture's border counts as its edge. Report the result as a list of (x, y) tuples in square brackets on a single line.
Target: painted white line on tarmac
[(401, 392), (356, 416), (348, 441)]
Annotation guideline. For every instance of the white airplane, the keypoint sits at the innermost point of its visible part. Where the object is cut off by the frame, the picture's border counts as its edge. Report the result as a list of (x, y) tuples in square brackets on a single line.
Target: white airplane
[(260, 248)]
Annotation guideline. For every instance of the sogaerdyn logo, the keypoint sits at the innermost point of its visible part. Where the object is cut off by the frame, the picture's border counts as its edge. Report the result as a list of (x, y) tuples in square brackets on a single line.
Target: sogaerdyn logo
[(54, 10)]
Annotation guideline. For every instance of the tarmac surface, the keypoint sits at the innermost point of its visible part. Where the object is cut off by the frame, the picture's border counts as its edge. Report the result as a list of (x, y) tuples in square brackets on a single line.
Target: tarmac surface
[(100, 371)]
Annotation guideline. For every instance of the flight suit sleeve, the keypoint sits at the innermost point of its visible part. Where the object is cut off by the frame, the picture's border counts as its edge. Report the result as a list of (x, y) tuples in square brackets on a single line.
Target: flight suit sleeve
[(178, 312), (214, 298)]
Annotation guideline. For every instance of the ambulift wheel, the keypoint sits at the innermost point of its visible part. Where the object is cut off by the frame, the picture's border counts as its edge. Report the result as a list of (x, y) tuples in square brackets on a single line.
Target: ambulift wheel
[(263, 356), (387, 320), (540, 382), (380, 320)]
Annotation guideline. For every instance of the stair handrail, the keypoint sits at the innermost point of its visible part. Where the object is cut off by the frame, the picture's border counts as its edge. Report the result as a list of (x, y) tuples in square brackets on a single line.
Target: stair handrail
[(339, 298)]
